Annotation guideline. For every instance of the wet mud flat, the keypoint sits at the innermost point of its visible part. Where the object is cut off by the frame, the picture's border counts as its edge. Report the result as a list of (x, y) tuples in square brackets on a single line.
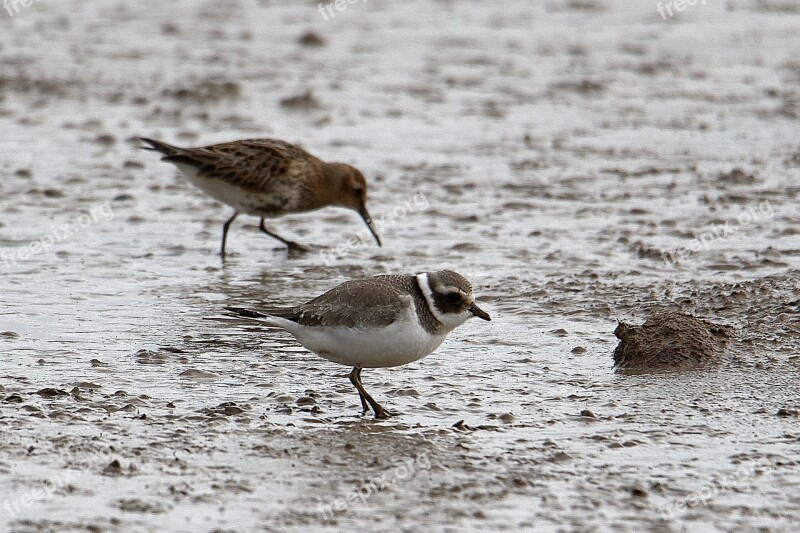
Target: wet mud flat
[(583, 163)]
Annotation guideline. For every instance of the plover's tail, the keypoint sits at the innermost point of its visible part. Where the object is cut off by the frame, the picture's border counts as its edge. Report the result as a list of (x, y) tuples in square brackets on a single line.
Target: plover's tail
[(164, 148), (247, 313)]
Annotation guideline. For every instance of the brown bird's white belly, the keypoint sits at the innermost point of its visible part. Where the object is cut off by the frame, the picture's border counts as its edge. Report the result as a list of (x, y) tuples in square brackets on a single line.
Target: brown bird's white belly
[(279, 199)]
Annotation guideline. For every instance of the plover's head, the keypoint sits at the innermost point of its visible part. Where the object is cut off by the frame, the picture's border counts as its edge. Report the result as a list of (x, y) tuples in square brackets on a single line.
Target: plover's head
[(350, 191), (450, 297)]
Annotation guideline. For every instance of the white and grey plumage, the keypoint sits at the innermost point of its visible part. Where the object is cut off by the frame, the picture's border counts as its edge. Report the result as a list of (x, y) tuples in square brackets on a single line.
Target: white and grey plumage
[(268, 178), (378, 322)]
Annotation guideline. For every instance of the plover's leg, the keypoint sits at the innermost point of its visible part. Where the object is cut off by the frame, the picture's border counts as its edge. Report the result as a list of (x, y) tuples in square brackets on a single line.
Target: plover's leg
[(293, 246), (225, 227), (355, 377), (380, 412)]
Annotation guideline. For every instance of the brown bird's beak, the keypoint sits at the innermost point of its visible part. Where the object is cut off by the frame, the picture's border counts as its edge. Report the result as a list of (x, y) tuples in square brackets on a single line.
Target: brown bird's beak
[(478, 312), (368, 221)]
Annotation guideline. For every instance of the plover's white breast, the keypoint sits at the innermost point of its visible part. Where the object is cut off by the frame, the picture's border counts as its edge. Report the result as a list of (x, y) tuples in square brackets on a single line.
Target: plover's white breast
[(399, 343)]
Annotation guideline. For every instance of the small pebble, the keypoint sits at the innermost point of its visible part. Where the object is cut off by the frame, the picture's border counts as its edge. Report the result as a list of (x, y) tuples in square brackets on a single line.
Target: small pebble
[(51, 393), (311, 39), (306, 400), (507, 418), (114, 468)]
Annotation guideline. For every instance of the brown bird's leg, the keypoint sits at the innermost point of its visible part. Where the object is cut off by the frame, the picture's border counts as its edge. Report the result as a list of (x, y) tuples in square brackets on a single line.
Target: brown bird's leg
[(293, 246), (355, 378), (225, 227)]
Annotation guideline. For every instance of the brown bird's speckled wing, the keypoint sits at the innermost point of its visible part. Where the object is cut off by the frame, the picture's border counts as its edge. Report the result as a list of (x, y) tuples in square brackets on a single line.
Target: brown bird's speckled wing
[(252, 164), (369, 302)]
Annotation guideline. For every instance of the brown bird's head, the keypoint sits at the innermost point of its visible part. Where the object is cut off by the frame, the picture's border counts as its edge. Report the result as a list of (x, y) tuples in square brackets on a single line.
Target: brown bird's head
[(350, 190)]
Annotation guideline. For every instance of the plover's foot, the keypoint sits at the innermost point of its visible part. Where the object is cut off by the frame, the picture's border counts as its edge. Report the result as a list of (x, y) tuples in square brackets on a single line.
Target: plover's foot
[(383, 414)]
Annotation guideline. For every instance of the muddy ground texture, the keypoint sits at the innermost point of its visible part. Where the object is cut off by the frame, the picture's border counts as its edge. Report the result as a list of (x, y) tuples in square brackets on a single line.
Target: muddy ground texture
[(583, 163)]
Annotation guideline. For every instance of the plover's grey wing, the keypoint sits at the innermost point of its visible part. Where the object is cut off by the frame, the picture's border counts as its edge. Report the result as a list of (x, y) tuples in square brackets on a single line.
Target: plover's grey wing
[(352, 304), (360, 303)]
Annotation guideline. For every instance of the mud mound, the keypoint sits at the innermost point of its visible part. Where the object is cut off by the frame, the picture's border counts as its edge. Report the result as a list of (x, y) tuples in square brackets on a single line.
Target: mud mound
[(669, 341)]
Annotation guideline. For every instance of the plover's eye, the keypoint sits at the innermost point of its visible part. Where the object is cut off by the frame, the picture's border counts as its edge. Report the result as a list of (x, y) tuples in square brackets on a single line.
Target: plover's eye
[(453, 297)]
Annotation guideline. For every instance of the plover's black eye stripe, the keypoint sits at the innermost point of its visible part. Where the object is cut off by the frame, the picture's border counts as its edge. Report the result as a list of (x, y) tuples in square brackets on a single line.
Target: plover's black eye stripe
[(453, 297)]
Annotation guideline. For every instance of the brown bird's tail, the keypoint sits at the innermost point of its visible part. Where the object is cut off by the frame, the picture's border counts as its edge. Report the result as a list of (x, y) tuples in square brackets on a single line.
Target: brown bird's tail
[(164, 148)]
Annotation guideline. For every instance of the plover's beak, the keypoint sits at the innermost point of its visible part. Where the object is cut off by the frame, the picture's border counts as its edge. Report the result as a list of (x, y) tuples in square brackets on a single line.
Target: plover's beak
[(478, 312), (368, 221)]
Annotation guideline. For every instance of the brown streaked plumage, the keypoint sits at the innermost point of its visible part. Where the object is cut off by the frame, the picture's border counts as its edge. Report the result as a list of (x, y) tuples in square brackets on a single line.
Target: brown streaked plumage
[(268, 178), (378, 322)]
